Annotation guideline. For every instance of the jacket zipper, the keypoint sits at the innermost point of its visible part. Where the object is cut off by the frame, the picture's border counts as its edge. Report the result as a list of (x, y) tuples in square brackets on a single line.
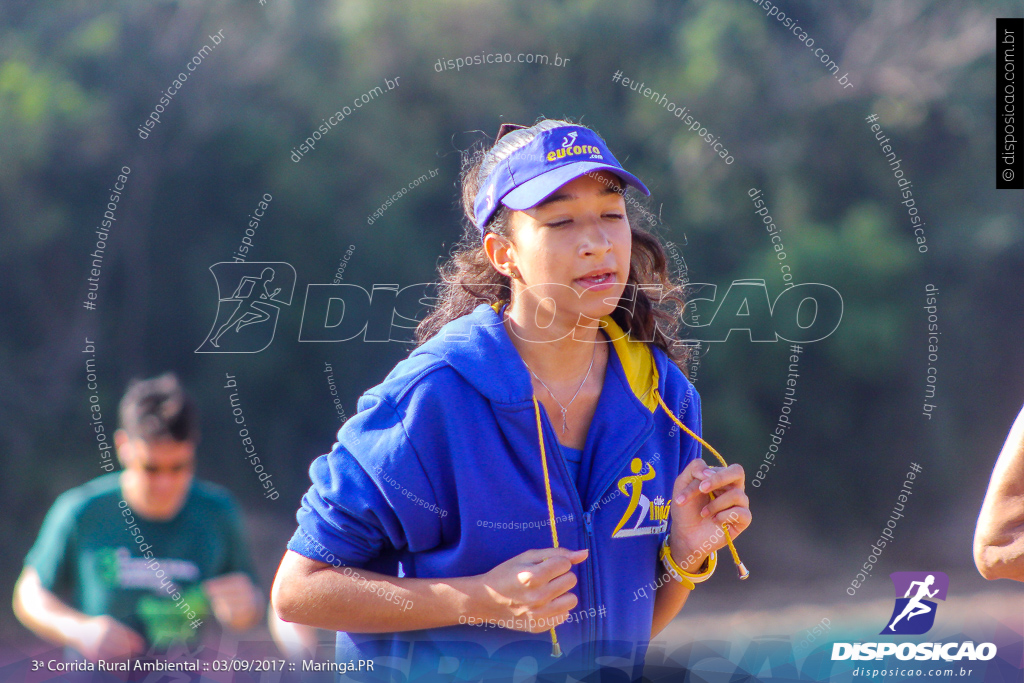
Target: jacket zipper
[(585, 516), (588, 517)]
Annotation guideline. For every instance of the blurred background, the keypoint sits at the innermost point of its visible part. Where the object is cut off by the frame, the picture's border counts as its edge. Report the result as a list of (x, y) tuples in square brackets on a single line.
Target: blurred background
[(78, 79)]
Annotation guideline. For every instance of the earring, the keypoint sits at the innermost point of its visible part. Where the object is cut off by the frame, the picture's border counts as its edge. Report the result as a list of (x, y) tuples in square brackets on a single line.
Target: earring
[(513, 274)]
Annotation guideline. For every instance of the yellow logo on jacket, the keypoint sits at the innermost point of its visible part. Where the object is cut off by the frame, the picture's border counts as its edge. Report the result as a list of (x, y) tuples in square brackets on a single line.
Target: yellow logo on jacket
[(656, 511)]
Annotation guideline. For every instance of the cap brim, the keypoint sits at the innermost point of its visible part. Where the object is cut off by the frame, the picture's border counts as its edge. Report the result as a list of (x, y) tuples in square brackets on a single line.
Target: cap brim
[(533, 192)]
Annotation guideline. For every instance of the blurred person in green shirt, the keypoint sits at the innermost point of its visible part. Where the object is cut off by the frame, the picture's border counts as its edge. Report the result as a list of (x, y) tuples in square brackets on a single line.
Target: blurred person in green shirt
[(135, 560)]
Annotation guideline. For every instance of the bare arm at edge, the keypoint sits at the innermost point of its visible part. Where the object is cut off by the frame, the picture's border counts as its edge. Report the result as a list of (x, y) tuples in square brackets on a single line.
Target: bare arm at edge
[(999, 536)]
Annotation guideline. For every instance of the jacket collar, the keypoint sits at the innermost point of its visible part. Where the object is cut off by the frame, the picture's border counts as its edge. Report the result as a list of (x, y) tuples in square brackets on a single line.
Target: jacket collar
[(478, 348)]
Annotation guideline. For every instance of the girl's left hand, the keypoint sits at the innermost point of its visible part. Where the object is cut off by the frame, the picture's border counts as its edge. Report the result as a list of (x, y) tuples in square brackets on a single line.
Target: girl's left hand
[(697, 520)]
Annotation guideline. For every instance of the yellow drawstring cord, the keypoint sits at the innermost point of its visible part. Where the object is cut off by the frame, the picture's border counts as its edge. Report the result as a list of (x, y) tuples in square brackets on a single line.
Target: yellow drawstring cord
[(556, 651), (740, 568)]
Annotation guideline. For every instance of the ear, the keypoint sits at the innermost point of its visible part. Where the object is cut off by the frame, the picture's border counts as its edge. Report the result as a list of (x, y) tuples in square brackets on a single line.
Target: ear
[(124, 447), (500, 252)]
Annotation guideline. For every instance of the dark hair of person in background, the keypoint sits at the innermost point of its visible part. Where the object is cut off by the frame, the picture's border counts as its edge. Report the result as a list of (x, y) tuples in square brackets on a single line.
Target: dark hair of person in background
[(159, 408)]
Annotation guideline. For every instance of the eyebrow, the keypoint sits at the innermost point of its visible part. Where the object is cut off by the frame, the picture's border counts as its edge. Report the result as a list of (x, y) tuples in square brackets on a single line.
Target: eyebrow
[(564, 196)]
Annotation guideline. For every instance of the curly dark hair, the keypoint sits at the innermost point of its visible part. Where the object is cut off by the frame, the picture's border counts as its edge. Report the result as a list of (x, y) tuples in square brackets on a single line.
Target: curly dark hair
[(468, 278)]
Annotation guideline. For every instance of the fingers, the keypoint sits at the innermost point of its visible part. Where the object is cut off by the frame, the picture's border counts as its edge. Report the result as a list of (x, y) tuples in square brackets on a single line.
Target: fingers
[(578, 556), (548, 616), (541, 554), (227, 582), (545, 596), (555, 564), (135, 641), (721, 477), (731, 498), (241, 593), (557, 587), (556, 611), (232, 596), (119, 641), (687, 480), (736, 518), (700, 478)]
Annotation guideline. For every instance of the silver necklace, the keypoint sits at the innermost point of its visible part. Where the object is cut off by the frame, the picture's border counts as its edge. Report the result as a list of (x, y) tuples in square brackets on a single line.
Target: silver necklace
[(566, 407)]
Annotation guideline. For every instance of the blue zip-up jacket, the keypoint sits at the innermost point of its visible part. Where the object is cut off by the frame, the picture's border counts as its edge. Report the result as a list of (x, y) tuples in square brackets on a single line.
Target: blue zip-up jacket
[(440, 474)]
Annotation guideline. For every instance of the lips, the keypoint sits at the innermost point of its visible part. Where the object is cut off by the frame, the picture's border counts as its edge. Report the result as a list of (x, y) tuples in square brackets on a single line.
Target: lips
[(597, 278)]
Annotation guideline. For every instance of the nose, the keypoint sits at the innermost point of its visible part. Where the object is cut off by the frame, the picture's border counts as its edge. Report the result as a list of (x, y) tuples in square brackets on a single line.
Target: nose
[(162, 481), (596, 239)]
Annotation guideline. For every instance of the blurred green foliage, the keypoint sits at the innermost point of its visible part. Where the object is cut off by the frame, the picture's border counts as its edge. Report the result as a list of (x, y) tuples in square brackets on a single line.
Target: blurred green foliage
[(77, 79)]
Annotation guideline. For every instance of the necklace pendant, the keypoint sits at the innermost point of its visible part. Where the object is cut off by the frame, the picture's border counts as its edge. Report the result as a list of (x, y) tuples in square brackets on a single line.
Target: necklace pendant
[(563, 421)]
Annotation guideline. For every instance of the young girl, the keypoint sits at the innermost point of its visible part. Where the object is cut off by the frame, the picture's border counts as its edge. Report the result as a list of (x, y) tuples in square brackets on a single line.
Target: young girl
[(520, 486)]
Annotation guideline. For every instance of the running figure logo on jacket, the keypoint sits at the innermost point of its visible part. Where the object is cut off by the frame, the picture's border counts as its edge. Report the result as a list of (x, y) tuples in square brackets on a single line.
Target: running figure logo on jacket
[(655, 512)]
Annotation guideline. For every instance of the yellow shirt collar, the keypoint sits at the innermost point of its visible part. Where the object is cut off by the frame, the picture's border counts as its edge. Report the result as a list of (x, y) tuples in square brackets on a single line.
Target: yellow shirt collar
[(636, 359)]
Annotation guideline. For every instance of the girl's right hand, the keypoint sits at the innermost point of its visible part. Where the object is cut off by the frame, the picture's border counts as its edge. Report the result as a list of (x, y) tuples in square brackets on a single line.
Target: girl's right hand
[(529, 592)]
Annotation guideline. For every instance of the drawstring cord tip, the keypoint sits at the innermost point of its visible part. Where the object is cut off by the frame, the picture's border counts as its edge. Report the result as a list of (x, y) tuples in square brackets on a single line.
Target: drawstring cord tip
[(556, 650), (741, 569)]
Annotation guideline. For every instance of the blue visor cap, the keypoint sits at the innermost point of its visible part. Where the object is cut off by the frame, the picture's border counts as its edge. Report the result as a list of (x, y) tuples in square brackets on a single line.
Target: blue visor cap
[(550, 160)]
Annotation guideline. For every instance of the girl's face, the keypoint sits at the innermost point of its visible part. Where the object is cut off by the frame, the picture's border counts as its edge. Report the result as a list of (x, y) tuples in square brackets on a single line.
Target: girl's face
[(572, 251)]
